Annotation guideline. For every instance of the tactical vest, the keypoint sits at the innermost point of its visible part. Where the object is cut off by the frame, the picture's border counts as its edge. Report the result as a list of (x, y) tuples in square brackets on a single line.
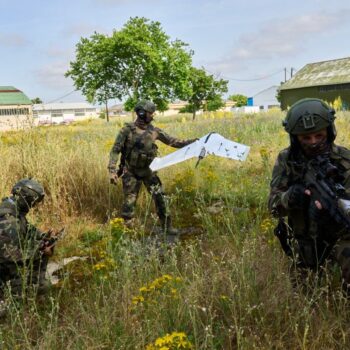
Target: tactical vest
[(140, 149)]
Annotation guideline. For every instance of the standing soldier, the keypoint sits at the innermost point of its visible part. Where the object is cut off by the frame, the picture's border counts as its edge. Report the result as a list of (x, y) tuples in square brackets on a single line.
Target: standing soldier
[(23, 253), (136, 144), (313, 234)]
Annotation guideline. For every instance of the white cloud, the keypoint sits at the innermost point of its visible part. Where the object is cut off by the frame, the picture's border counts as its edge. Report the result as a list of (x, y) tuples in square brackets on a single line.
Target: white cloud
[(52, 75), (13, 40), (54, 51), (83, 29), (280, 38)]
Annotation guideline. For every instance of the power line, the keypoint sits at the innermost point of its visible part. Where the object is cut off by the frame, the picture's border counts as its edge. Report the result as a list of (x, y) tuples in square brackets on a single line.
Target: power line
[(59, 98), (255, 79)]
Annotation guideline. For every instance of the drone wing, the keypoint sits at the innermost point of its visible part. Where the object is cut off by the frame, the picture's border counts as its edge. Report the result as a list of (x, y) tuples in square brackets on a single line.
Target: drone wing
[(212, 143), (219, 146), (184, 153)]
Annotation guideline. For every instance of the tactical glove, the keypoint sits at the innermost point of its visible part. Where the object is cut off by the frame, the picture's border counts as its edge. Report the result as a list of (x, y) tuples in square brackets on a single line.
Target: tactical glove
[(297, 197)]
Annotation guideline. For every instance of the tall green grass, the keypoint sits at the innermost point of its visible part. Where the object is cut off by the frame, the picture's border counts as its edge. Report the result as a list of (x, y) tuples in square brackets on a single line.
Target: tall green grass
[(227, 287)]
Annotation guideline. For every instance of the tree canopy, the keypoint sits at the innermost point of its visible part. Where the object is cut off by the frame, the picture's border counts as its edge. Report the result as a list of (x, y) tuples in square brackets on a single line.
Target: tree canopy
[(36, 100), (139, 61), (240, 100), (205, 91)]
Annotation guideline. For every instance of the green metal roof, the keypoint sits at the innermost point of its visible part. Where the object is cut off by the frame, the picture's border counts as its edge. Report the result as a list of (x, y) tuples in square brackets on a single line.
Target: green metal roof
[(9, 95), (320, 73)]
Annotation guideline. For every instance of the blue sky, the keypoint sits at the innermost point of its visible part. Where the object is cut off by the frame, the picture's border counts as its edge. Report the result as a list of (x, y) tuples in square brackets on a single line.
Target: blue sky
[(235, 40)]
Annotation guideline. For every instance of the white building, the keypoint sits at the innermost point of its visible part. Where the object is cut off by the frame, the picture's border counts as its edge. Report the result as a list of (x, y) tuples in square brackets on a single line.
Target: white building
[(62, 113), (15, 108), (246, 109), (266, 99)]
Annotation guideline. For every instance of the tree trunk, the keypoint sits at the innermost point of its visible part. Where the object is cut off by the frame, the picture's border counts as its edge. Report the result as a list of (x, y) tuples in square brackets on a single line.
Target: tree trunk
[(194, 115), (107, 114)]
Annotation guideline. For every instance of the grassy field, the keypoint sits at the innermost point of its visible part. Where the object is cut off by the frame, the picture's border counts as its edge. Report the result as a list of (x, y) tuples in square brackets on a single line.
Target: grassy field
[(227, 287)]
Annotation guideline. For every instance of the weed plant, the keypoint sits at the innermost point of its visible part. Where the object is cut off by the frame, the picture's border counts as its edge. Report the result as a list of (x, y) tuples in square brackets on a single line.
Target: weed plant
[(227, 287)]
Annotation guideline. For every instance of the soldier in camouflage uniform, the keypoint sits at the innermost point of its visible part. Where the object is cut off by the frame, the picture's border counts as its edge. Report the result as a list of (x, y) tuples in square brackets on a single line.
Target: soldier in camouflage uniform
[(23, 255), (136, 144), (310, 123)]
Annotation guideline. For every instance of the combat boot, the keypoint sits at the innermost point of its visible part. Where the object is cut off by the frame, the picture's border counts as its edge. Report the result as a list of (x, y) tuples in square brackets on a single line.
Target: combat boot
[(171, 234)]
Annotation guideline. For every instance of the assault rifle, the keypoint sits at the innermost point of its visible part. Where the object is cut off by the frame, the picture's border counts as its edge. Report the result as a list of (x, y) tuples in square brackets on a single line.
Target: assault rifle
[(323, 180), (50, 238)]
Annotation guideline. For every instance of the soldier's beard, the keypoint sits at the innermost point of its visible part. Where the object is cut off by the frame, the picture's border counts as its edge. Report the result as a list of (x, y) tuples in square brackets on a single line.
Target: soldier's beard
[(316, 149)]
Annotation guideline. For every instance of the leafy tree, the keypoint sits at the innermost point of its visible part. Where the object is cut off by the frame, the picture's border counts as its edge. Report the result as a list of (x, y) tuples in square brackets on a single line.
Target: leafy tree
[(93, 72), (189, 108), (204, 90), (37, 101), (240, 100), (278, 92), (215, 103), (137, 62)]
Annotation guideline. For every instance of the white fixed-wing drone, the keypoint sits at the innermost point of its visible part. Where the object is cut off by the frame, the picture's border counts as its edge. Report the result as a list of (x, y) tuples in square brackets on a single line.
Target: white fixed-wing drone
[(212, 143)]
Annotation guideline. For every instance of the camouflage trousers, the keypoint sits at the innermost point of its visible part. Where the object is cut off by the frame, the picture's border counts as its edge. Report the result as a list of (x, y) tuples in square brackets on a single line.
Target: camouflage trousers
[(311, 255), (341, 252), (18, 275), (131, 188)]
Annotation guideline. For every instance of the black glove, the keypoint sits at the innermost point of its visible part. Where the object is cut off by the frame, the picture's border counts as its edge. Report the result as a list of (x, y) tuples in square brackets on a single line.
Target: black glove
[(316, 214), (297, 197)]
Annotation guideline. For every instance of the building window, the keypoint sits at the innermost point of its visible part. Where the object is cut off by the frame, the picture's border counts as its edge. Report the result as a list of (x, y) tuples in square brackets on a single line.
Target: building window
[(79, 112), (14, 111), (56, 113)]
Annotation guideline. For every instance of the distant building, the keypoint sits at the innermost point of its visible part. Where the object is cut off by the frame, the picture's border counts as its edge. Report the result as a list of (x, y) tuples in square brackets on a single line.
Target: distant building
[(265, 99), (61, 113), (246, 109), (326, 80), (175, 107), (15, 107), (228, 106), (117, 110)]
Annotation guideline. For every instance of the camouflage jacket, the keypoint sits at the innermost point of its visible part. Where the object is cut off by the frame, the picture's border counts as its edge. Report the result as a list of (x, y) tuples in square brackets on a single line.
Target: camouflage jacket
[(137, 147), (289, 170), (19, 240)]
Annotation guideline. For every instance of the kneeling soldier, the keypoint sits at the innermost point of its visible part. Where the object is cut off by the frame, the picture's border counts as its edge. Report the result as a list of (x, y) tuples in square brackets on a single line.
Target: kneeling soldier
[(23, 253)]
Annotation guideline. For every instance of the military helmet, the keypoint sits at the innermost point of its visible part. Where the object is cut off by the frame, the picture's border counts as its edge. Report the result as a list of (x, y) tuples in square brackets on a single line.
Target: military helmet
[(28, 190), (145, 105), (310, 115)]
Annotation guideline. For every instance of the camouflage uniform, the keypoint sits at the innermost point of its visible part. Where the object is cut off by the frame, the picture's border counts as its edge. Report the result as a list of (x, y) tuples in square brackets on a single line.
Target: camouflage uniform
[(136, 144), (21, 262), (310, 251)]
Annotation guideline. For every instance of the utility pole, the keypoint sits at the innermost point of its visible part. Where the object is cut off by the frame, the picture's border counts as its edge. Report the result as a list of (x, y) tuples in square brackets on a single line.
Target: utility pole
[(285, 74)]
